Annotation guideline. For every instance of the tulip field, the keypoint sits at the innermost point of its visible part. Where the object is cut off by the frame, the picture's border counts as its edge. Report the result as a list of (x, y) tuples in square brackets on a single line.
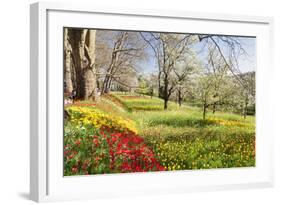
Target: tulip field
[(124, 133)]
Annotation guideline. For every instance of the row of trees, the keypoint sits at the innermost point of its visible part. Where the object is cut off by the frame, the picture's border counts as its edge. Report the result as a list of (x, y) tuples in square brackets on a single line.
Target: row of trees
[(216, 89), (217, 83), (97, 61)]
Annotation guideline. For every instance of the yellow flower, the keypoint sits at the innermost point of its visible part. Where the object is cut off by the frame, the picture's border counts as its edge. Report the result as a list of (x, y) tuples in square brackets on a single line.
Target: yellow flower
[(91, 116)]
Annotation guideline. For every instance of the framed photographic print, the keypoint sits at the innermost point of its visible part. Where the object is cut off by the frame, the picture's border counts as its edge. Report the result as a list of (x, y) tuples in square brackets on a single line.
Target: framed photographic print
[(127, 102)]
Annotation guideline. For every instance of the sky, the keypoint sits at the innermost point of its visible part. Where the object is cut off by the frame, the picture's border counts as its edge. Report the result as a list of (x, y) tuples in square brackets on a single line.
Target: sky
[(246, 62)]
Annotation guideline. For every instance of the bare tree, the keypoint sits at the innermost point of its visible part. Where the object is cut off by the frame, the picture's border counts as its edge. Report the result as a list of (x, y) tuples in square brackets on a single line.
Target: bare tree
[(214, 85), (230, 58), (124, 54), (68, 87), (247, 93), (168, 50), (183, 71)]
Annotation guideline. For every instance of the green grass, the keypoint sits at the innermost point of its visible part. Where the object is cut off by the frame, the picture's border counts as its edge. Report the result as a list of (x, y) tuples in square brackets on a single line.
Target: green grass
[(180, 118), (144, 103), (179, 136), (183, 140)]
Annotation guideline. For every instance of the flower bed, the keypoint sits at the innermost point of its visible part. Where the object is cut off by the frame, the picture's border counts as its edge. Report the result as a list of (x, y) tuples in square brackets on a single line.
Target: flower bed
[(229, 122), (97, 143), (204, 149), (106, 150), (96, 118)]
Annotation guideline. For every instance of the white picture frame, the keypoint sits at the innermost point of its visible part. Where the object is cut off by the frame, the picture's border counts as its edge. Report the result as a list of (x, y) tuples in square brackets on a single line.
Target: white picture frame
[(46, 176)]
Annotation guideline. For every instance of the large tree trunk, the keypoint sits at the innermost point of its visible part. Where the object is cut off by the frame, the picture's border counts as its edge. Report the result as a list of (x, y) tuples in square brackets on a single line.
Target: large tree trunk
[(165, 92), (109, 84), (245, 107), (106, 85), (77, 40), (179, 98), (159, 84), (84, 59), (204, 111), (90, 72), (68, 87), (165, 104)]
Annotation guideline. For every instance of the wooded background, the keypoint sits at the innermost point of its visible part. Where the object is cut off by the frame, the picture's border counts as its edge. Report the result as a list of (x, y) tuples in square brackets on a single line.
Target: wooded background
[(97, 62)]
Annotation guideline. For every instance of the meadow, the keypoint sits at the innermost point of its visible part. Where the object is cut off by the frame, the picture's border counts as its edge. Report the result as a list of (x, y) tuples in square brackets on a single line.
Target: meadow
[(132, 133)]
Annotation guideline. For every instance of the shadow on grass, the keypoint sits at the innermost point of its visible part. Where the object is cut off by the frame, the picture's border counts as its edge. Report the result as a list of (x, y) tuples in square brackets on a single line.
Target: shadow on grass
[(181, 122)]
